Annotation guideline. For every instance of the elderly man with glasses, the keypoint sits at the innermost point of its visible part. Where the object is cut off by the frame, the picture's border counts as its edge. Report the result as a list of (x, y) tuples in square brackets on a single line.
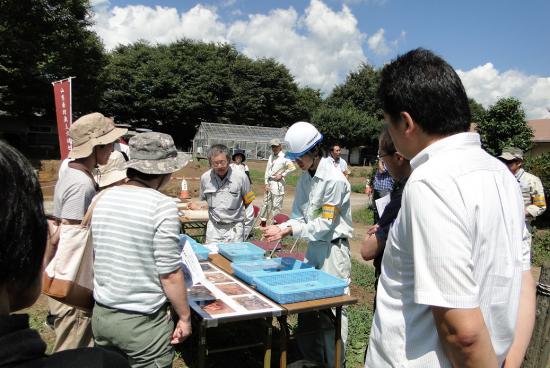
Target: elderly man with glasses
[(228, 194)]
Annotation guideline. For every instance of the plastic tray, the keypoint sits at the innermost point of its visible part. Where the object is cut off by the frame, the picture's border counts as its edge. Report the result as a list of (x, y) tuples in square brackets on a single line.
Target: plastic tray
[(240, 252), (299, 285), (200, 250), (246, 271)]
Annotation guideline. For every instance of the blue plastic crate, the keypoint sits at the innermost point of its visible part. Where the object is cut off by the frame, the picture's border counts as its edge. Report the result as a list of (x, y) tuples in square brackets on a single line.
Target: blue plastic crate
[(299, 285), (200, 251), (246, 271), (240, 252)]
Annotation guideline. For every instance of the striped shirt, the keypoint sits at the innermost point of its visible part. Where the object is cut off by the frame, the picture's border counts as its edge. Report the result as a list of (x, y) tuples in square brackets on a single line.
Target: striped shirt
[(135, 233), (73, 194)]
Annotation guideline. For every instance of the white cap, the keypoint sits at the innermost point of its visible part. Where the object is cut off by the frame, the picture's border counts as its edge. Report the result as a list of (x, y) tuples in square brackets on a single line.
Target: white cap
[(300, 138)]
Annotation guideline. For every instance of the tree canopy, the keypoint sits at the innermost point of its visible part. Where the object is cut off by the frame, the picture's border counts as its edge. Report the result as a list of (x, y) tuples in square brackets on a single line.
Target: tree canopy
[(174, 87), (42, 41), (504, 125)]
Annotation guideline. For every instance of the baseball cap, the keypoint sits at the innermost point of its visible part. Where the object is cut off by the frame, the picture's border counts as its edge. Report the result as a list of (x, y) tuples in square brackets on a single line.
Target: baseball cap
[(511, 153), (275, 142)]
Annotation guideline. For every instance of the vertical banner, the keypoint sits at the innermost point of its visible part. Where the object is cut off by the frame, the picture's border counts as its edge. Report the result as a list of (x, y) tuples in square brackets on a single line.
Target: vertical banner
[(64, 113)]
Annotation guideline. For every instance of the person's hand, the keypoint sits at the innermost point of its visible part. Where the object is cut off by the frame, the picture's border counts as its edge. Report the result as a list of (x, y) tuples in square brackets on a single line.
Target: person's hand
[(277, 177), (182, 331), (368, 189), (274, 232), (372, 230), (267, 188), (193, 206)]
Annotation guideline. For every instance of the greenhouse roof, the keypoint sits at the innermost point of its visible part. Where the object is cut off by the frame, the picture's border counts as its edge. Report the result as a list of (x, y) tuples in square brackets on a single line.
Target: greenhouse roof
[(239, 132)]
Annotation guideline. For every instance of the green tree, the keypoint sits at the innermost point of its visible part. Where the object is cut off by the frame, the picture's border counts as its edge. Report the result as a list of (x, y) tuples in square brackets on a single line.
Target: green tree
[(349, 126), (359, 91), (477, 110), (173, 88), (42, 41), (308, 101), (504, 125)]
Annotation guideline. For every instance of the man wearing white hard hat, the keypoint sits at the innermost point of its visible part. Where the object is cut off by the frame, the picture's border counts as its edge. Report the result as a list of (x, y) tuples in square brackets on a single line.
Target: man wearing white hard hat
[(321, 213)]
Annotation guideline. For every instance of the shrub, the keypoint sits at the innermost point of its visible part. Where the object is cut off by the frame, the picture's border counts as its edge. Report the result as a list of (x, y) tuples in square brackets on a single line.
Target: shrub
[(541, 247)]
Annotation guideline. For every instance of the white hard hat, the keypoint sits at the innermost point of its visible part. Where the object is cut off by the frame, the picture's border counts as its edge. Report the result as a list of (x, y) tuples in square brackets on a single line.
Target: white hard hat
[(300, 138)]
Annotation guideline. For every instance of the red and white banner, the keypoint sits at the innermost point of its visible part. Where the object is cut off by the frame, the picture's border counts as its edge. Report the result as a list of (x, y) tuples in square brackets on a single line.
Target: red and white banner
[(64, 113)]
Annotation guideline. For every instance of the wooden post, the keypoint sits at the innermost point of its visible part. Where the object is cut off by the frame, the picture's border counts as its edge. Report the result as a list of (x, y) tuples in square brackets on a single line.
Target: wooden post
[(538, 353)]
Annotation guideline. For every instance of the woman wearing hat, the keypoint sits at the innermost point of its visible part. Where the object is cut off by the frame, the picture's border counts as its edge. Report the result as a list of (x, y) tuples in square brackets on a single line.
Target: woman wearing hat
[(93, 137), (238, 159), (137, 267)]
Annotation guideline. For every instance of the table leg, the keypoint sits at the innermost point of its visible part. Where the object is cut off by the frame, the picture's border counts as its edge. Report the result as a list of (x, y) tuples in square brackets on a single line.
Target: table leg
[(338, 337), (268, 340), (284, 340), (201, 353)]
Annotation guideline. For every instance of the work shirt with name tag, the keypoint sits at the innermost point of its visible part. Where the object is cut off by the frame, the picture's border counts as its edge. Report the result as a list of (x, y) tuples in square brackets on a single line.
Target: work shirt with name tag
[(226, 197)]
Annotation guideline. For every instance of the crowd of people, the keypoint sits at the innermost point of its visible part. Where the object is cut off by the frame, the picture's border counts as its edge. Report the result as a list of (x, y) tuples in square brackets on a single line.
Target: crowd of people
[(451, 248)]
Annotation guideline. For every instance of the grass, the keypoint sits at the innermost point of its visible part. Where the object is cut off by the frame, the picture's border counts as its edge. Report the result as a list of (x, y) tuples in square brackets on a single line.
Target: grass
[(363, 216), (358, 188), (257, 176), (541, 247)]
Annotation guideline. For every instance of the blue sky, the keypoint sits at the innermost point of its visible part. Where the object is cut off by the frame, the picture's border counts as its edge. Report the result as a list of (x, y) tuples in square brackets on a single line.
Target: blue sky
[(500, 48)]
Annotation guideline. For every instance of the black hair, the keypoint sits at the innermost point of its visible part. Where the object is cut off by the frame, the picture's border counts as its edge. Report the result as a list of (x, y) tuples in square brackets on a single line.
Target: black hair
[(331, 147), (385, 142), (132, 173), (23, 226), (427, 87)]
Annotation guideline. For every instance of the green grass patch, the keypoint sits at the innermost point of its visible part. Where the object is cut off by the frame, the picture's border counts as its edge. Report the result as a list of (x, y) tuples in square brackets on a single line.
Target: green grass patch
[(257, 176), (362, 275), (358, 188), (360, 172), (359, 322), (541, 247), (363, 216)]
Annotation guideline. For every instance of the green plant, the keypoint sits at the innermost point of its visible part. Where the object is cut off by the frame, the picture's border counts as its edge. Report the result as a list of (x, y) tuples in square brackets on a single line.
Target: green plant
[(363, 216), (541, 247), (362, 275), (359, 322), (358, 188)]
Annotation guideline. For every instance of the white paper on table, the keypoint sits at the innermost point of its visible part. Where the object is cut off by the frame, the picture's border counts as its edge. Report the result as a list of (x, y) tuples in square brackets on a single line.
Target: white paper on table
[(381, 204), (191, 266)]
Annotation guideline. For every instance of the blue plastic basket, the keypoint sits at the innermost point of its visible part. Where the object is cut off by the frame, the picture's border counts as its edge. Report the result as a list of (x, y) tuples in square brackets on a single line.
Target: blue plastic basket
[(299, 285), (200, 251), (240, 252), (246, 271)]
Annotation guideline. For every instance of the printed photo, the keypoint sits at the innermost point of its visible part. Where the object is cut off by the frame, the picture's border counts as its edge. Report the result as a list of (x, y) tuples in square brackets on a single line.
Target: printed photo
[(217, 277), (207, 268), (252, 302), (200, 292), (232, 289), (217, 307)]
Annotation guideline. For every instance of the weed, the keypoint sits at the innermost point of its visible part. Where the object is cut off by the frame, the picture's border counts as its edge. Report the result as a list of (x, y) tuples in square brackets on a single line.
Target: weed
[(541, 247), (363, 216)]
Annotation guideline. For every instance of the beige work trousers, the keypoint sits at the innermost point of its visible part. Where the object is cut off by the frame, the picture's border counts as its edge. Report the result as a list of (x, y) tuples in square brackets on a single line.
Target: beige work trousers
[(273, 203), (72, 326), (224, 233)]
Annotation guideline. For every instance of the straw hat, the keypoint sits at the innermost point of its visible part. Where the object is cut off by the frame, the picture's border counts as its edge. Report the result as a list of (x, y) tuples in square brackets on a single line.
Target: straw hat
[(92, 130)]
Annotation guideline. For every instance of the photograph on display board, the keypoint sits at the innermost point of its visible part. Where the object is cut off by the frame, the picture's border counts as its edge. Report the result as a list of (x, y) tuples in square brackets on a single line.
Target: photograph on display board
[(200, 292), (252, 302), (207, 268), (232, 289), (217, 277), (217, 307)]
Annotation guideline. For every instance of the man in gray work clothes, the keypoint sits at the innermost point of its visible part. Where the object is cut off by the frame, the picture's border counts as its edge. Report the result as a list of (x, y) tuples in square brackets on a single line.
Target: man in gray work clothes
[(228, 193)]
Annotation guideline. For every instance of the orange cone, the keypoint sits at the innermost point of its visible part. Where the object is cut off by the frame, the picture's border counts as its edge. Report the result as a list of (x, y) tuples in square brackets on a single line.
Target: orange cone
[(184, 194)]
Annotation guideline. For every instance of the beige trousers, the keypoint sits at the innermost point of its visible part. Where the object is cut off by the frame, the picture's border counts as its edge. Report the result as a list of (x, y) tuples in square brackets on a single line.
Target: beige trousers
[(72, 326), (273, 203)]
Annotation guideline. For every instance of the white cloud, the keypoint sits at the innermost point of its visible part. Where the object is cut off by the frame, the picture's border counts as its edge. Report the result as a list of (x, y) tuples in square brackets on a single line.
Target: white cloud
[(319, 46), (486, 85), (380, 46)]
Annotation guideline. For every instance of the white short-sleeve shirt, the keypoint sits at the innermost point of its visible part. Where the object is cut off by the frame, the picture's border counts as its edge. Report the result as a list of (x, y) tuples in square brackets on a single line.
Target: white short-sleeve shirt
[(458, 242)]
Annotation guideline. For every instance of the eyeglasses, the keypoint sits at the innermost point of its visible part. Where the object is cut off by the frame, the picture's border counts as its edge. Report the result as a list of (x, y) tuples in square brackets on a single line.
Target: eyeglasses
[(219, 163)]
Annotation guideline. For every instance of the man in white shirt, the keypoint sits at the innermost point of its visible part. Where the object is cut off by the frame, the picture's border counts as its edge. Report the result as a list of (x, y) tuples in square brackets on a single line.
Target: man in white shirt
[(337, 161), (455, 288), (278, 167)]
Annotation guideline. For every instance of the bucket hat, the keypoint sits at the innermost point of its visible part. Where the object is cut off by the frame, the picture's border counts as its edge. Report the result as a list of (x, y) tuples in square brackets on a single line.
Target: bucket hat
[(238, 152), (113, 171), (92, 130), (275, 142), (155, 153), (511, 153)]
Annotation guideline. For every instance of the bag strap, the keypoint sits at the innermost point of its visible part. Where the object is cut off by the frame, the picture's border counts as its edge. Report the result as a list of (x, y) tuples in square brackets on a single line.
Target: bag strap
[(88, 216)]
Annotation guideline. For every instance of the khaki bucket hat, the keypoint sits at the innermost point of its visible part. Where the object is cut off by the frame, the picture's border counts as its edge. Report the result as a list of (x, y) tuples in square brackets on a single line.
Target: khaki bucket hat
[(511, 154), (155, 153), (92, 130), (113, 171)]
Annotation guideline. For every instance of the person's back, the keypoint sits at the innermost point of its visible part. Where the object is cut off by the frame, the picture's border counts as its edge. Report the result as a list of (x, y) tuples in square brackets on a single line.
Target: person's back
[(128, 257)]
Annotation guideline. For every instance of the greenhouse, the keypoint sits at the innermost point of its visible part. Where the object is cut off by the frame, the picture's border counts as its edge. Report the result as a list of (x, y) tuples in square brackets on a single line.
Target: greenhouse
[(253, 139)]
